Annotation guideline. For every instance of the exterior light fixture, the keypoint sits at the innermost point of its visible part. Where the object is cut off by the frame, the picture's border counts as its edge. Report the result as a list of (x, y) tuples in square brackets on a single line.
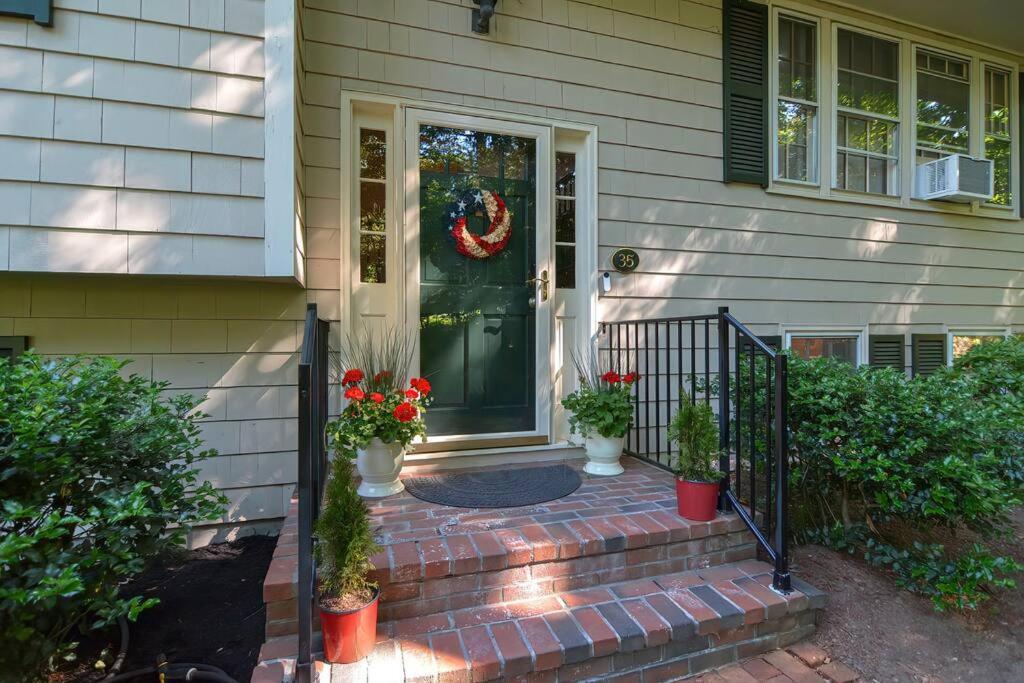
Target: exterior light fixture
[(482, 17)]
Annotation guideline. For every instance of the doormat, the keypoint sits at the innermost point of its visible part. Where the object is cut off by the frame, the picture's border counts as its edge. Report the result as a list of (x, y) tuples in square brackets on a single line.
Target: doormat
[(496, 488)]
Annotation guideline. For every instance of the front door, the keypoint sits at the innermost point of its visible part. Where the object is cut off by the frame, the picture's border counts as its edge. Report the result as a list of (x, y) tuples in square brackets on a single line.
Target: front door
[(483, 244)]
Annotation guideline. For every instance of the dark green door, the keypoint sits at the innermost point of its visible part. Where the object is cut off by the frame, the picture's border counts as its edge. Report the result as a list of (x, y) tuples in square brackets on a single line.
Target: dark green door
[(477, 315)]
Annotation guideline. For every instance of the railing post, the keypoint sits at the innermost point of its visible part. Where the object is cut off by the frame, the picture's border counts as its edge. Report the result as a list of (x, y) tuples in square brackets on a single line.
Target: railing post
[(305, 568), (723, 407), (780, 577)]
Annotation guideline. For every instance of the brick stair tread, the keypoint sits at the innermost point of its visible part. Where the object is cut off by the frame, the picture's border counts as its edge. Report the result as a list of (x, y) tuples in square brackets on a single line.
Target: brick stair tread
[(521, 637)]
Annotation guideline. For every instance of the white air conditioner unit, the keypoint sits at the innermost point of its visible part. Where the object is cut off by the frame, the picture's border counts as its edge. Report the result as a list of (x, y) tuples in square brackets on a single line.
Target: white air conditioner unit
[(956, 178)]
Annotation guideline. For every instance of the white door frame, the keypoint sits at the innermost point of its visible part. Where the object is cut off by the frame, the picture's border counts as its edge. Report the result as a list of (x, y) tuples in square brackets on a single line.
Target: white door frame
[(545, 251)]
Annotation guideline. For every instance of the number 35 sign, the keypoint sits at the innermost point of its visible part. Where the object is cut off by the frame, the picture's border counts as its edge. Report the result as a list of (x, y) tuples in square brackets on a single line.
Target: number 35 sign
[(625, 260)]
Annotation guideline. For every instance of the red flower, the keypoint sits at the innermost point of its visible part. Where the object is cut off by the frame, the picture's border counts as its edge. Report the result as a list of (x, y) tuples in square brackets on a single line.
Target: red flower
[(631, 377), (412, 393), (377, 397), (421, 385), (352, 377), (405, 412), (381, 376), (611, 377), (354, 394)]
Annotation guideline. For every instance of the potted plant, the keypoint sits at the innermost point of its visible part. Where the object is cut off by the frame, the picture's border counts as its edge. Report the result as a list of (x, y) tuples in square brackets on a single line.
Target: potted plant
[(695, 429), (383, 415), (348, 599), (601, 411)]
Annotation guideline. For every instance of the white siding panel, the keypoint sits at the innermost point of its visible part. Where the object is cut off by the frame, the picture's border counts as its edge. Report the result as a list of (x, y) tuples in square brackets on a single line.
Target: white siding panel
[(20, 69), (15, 202), (68, 251), (73, 207), (67, 74), (77, 119), (216, 175), (145, 83), (82, 164), (104, 36), (19, 159), (26, 114), (152, 169), (166, 11), (5, 236), (156, 43)]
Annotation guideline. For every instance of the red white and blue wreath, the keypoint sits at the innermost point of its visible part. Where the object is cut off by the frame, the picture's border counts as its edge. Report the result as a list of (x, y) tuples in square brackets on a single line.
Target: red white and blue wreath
[(498, 232)]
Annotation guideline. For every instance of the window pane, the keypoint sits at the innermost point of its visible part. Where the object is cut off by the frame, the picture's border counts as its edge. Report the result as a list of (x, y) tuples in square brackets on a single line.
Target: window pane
[(372, 258), (565, 266), (372, 154), (797, 52), (843, 348), (371, 206), (962, 343), (856, 173), (797, 145), (998, 150), (943, 103), (565, 220), (867, 73), (565, 174), (998, 143)]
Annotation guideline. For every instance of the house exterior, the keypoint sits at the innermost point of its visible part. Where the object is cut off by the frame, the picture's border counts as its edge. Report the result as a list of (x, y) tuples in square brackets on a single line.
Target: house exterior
[(179, 178)]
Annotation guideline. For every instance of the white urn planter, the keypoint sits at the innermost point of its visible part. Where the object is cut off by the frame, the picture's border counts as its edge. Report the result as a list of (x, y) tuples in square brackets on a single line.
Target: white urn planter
[(379, 465), (603, 455)]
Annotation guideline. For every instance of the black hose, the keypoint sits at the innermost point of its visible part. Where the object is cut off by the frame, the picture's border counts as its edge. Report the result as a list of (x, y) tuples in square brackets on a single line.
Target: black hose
[(182, 671), (119, 662)]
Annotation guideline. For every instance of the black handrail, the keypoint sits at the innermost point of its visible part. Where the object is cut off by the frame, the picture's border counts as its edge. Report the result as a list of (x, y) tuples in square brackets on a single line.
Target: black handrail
[(747, 379), (313, 384)]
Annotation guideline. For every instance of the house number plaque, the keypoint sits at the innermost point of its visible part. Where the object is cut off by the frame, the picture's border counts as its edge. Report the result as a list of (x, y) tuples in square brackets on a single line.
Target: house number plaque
[(625, 260)]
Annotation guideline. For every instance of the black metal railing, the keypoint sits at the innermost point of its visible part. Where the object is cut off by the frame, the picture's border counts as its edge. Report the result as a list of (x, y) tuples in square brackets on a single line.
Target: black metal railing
[(716, 359), (313, 385)]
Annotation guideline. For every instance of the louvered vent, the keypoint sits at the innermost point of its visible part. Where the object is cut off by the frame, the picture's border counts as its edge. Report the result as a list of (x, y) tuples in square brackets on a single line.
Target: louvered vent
[(886, 351), (954, 178), (929, 353), (745, 90)]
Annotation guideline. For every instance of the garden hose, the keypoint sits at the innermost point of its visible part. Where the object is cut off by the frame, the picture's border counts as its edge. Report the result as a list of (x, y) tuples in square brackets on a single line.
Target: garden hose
[(181, 671), (123, 653)]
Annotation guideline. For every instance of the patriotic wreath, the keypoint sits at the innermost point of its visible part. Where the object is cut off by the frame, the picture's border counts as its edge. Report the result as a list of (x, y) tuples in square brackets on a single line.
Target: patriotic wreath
[(494, 240)]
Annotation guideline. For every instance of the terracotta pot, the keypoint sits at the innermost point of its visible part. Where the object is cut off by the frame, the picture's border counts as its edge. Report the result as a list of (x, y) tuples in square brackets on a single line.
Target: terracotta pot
[(349, 636), (603, 455), (379, 465), (697, 500)]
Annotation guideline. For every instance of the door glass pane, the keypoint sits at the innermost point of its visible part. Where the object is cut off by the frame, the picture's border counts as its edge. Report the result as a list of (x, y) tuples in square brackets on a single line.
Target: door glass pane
[(844, 348), (477, 317)]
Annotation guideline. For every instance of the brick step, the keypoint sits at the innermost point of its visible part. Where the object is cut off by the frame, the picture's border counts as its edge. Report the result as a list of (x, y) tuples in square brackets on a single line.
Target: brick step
[(669, 625)]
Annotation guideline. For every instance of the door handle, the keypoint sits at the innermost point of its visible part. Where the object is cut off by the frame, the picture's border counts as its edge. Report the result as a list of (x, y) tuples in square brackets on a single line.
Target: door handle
[(543, 280)]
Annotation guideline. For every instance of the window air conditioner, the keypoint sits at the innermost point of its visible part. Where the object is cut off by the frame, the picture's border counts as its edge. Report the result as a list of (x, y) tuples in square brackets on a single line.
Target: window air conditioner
[(956, 178)]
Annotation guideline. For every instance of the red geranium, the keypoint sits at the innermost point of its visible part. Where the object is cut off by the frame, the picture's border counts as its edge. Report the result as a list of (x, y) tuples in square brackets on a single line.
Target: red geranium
[(381, 376), (421, 385), (377, 397), (405, 412), (412, 393), (352, 377), (631, 377), (611, 377), (354, 394)]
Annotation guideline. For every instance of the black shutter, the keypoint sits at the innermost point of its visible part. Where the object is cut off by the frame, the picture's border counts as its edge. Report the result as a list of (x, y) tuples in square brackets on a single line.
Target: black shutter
[(12, 347), (887, 351), (40, 11), (929, 353), (745, 91)]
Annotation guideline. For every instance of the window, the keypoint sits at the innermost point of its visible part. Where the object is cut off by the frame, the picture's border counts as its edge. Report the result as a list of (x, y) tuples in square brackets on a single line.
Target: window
[(867, 113), (961, 341), (998, 139), (565, 220), (943, 106), (372, 206), (796, 148), (845, 344)]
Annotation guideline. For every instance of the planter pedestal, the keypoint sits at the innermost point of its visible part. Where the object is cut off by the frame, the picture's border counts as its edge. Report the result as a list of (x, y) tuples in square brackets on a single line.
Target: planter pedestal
[(603, 455), (379, 465)]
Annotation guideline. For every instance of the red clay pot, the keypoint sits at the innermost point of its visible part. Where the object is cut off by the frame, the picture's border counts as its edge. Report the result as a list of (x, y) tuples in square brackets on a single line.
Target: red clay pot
[(349, 636), (697, 500)]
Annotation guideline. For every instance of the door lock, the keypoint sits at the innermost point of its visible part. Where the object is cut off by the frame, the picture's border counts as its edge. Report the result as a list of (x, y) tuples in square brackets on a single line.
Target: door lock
[(543, 280)]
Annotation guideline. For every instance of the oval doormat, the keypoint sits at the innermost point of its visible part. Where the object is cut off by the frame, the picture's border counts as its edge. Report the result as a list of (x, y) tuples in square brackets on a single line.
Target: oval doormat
[(496, 488)]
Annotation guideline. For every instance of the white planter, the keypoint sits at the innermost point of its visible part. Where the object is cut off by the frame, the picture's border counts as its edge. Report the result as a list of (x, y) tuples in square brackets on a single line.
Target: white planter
[(603, 455), (379, 465)]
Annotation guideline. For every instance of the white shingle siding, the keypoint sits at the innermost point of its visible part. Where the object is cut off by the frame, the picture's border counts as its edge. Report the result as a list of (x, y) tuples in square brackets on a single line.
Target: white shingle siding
[(154, 169)]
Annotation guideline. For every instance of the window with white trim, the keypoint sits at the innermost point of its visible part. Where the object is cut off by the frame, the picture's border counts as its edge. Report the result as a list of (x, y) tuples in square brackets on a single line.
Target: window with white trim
[(844, 344), (960, 341), (998, 137)]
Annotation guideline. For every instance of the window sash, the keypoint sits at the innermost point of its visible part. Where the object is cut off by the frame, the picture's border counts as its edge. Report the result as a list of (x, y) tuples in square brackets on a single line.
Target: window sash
[(802, 168)]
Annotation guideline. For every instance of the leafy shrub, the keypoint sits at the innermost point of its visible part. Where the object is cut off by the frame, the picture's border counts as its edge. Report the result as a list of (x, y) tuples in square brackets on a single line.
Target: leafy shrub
[(96, 477), (344, 538), (695, 428)]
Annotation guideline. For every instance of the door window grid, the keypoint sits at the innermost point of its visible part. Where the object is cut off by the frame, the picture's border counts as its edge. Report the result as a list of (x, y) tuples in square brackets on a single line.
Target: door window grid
[(867, 119), (943, 106), (372, 206), (796, 141), (565, 220), (998, 138)]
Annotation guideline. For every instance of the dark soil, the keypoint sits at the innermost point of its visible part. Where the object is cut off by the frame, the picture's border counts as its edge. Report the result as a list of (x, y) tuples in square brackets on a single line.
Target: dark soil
[(211, 612), (893, 635)]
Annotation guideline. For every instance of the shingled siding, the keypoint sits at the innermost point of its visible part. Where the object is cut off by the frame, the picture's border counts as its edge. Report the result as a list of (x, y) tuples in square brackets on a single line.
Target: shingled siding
[(648, 74)]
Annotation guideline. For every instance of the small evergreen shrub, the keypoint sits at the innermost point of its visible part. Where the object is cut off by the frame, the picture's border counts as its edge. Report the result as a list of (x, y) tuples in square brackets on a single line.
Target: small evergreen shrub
[(97, 476), (344, 541), (695, 428)]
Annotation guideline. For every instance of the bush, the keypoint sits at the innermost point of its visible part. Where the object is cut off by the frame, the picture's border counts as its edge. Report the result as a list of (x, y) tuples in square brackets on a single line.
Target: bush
[(695, 428), (873, 449), (344, 538), (96, 477)]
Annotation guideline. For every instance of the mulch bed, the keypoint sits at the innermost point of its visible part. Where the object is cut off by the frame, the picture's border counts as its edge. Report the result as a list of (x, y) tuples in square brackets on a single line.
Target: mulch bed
[(211, 612), (890, 634)]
